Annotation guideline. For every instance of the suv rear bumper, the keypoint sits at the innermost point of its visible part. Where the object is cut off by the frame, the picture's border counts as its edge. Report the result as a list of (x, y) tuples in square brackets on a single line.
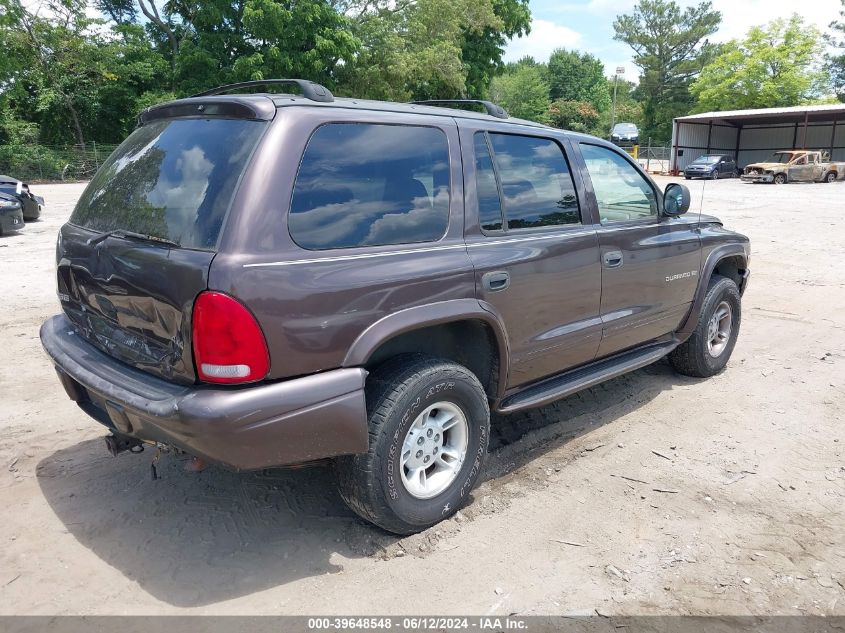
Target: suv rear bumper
[(245, 428)]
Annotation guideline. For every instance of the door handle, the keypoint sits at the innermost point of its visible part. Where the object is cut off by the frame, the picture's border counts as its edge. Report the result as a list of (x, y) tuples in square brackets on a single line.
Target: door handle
[(613, 259), (495, 281)]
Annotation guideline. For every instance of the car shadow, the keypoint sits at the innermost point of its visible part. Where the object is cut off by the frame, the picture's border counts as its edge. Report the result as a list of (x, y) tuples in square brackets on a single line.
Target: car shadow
[(197, 539)]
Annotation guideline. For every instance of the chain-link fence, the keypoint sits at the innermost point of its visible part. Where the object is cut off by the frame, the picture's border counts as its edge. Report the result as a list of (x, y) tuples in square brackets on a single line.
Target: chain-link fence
[(655, 159), (45, 163)]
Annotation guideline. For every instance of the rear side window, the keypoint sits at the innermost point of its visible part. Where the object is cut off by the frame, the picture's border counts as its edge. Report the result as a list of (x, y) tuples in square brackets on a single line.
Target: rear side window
[(172, 179), (535, 181), (362, 184)]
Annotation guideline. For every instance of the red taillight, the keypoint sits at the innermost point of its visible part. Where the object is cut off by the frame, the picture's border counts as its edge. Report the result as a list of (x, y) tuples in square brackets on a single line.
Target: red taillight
[(229, 346)]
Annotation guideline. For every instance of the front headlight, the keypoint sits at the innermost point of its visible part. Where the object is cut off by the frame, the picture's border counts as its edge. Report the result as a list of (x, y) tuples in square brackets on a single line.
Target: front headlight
[(8, 203)]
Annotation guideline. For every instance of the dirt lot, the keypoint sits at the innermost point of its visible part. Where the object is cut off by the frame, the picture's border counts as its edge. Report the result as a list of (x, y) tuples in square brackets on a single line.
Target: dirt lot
[(749, 465)]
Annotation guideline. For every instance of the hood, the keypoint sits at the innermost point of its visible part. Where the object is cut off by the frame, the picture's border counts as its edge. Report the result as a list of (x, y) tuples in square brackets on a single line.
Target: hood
[(765, 166), (8, 196)]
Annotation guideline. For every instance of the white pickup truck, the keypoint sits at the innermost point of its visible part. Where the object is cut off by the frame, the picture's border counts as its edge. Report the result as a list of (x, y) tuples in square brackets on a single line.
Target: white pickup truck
[(795, 166)]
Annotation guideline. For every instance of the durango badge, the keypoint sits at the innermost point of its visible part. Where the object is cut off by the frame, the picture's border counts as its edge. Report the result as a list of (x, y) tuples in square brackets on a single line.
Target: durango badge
[(692, 273)]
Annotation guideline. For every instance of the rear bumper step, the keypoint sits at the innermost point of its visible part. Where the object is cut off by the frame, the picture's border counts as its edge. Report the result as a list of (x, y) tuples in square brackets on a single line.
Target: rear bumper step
[(244, 428)]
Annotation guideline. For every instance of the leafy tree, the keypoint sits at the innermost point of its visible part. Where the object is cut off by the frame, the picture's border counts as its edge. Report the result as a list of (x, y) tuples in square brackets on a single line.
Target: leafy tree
[(670, 47), (836, 60), (523, 92), (482, 48), (413, 50), (775, 65), (575, 76), (578, 116)]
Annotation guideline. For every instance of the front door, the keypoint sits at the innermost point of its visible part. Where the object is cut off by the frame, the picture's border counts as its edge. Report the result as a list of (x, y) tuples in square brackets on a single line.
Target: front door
[(535, 258), (800, 170), (650, 264)]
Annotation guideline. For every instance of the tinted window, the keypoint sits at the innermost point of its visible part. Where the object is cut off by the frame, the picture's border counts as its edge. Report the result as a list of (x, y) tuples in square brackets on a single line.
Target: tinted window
[(367, 185), (536, 182), (170, 179), (489, 204), (621, 191)]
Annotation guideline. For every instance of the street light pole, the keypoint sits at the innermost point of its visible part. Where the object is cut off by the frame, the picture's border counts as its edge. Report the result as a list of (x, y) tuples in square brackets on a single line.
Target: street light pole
[(620, 70)]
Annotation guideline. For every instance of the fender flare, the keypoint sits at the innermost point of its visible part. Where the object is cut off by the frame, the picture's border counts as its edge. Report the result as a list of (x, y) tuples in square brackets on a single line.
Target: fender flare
[(428, 315), (713, 259)]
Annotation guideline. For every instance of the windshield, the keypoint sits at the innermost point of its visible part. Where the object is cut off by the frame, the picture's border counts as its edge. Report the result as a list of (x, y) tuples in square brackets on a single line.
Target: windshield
[(624, 127), (171, 179), (782, 157), (708, 160)]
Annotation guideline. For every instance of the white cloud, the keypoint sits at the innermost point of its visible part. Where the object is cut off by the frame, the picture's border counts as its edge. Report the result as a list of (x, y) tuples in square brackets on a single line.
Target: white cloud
[(544, 38), (738, 17)]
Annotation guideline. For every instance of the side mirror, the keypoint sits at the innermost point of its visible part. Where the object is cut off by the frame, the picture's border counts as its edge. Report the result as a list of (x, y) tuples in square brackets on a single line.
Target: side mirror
[(676, 199)]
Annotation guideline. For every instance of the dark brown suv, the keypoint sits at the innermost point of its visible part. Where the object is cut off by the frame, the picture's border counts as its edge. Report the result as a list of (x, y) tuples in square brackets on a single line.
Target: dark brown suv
[(262, 280)]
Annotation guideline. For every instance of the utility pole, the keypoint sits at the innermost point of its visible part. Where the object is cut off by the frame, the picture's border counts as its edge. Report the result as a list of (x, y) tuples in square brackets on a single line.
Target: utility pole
[(620, 70)]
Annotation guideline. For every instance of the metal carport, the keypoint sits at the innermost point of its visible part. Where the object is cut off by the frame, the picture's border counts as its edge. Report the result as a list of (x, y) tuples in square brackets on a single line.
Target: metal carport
[(752, 135)]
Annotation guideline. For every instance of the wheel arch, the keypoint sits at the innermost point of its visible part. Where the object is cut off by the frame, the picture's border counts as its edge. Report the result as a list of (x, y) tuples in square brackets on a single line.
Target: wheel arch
[(462, 330), (729, 260)]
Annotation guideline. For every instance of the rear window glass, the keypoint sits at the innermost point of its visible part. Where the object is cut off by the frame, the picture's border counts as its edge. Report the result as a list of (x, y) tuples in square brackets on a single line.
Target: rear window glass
[(171, 179), (371, 184)]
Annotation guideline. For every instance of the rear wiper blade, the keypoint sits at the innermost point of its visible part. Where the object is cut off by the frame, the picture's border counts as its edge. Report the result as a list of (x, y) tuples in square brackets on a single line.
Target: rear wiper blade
[(131, 235)]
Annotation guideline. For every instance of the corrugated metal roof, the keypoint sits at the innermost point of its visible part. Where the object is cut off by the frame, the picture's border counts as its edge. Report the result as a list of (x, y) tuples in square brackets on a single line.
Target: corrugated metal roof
[(764, 113)]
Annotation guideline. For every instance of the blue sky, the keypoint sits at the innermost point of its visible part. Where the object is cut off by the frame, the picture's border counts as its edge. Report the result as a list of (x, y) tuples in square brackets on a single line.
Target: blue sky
[(587, 25)]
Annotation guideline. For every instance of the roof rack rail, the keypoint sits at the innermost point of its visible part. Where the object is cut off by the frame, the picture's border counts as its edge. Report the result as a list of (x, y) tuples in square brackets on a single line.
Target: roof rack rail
[(491, 108), (310, 90)]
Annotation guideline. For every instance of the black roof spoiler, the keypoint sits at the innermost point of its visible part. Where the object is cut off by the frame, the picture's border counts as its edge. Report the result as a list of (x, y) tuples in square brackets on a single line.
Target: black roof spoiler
[(491, 108), (310, 90)]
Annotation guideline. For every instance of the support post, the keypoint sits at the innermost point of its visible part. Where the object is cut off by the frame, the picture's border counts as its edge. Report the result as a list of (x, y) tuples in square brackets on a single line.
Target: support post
[(806, 123), (709, 135), (833, 138), (673, 168), (738, 139)]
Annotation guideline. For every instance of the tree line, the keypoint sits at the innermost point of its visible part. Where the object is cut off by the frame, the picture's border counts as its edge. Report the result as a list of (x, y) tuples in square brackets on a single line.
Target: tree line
[(785, 62), (75, 71)]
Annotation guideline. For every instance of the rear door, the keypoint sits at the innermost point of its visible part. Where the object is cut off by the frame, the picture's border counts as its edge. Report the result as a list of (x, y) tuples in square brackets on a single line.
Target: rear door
[(138, 246), (649, 263), (534, 249)]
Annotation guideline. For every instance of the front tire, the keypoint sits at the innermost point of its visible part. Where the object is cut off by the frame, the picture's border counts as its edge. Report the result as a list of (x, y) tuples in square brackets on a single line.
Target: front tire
[(780, 179), (715, 175), (830, 177), (708, 350), (429, 428)]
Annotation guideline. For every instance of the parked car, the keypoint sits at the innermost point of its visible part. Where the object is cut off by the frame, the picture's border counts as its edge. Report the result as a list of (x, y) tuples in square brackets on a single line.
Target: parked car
[(713, 166), (625, 134), (11, 215), (30, 204), (795, 166), (263, 280)]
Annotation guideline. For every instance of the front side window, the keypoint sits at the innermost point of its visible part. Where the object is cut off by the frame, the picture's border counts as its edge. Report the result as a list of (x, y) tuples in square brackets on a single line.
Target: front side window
[(536, 183), (362, 184), (621, 191)]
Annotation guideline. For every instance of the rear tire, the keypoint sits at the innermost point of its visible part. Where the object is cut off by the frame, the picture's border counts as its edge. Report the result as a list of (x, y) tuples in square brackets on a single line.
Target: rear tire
[(708, 350), (390, 485)]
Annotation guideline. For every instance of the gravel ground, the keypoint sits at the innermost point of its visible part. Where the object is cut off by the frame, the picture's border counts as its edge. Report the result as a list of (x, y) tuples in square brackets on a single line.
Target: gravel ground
[(650, 494)]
